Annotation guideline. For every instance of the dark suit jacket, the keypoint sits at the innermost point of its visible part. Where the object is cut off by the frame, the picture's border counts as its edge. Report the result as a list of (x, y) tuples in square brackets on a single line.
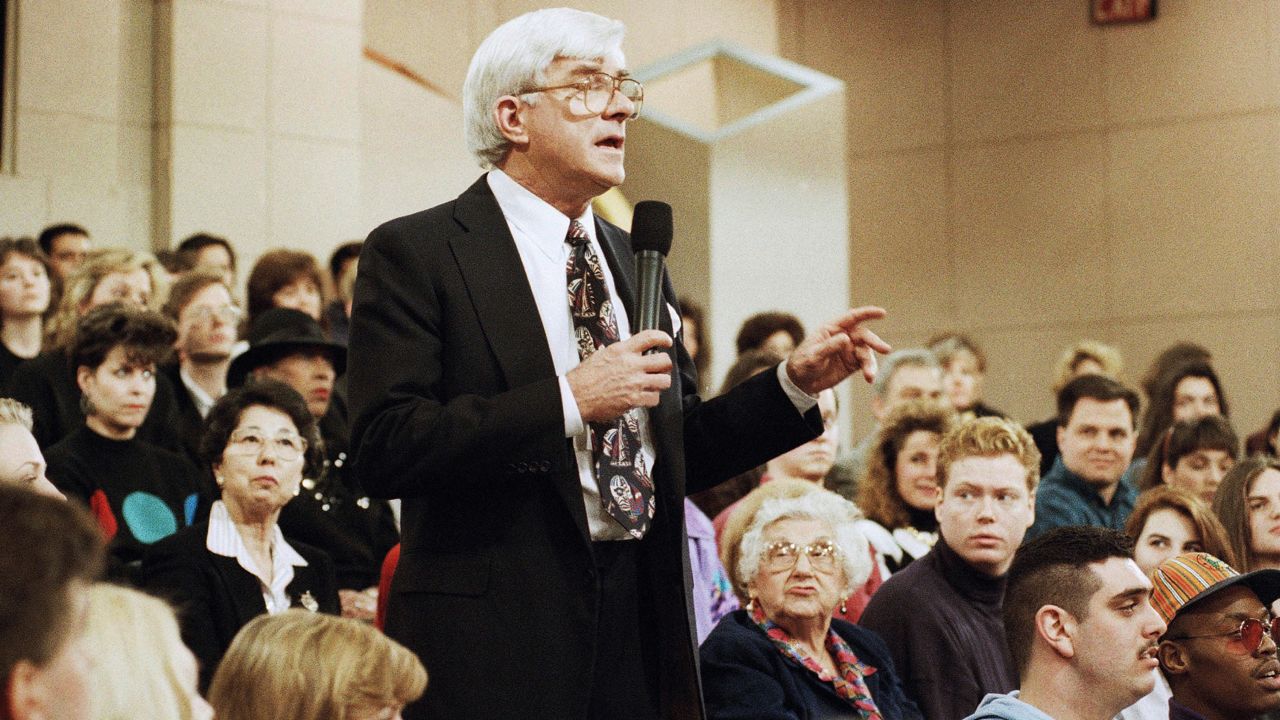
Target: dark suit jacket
[(746, 677), (457, 410), (215, 597)]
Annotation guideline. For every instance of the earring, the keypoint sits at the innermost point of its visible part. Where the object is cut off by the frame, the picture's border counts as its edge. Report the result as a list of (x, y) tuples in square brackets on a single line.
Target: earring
[(844, 607), (219, 480)]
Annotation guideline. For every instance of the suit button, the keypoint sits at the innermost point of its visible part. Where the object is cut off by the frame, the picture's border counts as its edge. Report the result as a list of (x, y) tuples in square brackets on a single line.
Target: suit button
[(545, 466), (522, 467)]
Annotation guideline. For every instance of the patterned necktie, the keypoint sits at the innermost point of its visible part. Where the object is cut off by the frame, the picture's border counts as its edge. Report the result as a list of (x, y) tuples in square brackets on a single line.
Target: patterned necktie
[(626, 489)]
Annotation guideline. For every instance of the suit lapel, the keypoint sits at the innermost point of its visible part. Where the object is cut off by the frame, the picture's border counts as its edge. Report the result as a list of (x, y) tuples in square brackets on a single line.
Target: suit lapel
[(499, 291), (242, 586)]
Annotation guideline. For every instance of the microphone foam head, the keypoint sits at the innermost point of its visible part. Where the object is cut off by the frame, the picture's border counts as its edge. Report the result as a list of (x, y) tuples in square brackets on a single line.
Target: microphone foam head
[(651, 227)]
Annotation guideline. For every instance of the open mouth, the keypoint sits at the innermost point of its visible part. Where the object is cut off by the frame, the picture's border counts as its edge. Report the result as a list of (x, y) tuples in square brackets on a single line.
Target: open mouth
[(613, 142)]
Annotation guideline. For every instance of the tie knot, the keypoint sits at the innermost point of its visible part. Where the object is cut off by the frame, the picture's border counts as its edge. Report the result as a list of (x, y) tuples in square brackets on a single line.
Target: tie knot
[(577, 234)]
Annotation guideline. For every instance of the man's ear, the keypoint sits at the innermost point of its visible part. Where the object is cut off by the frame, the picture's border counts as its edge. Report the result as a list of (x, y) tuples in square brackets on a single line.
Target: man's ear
[(508, 115), (1173, 658), (877, 408), (23, 698), (1057, 628)]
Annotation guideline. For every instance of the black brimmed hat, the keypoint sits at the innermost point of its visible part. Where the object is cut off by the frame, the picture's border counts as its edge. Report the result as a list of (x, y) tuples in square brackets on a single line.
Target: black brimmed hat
[(278, 333)]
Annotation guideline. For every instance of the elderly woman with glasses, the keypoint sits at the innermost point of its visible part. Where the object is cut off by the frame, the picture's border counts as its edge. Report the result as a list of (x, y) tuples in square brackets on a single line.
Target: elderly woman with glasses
[(784, 657), (258, 441)]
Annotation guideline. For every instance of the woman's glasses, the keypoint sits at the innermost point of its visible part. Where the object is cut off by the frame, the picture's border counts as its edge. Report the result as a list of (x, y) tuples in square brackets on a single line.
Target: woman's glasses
[(782, 555), (251, 441)]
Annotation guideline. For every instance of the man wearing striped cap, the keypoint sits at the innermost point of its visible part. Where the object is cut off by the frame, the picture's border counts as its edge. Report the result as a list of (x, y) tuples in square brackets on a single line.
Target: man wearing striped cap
[(1219, 651)]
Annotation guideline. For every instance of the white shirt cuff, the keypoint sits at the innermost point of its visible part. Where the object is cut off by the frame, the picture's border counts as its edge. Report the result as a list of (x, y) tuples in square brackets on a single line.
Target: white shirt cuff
[(573, 425), (801, 399)]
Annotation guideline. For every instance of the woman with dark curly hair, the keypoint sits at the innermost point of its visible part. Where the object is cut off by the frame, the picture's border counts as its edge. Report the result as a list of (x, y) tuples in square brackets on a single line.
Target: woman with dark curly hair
[(258, 441), (899, 487)]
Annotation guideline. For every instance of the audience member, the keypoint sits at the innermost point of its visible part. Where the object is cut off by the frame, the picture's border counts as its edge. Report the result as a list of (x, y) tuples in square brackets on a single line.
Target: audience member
[(784, 656), (67, 246), (142, 671), (21, 462), (1187, 392), (238, 564), (1087, 357), (209, 251), (1267, 440), (778, 332), (299, 666), (1081, 630), (333, 513), (899, 489), (50, 551), (1179, 353), (1168, 522), (342, 269), (206, 318), (911, 374), (47, 382), (715, 500), (693, 335), (1095, 436), (1193, 455), (138, 492), (1248, 504), (286, 279), (25, 294), (1219, 652), (941, 615), (964, 367)]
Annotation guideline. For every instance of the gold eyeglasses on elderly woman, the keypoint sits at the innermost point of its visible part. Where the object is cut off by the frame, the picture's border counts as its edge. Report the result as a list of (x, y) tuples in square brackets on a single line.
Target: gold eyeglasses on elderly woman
[(784, 656)]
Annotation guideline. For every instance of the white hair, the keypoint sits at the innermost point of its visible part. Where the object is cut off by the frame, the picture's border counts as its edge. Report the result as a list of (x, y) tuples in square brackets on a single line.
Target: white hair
[(515, 57), (824, 506)]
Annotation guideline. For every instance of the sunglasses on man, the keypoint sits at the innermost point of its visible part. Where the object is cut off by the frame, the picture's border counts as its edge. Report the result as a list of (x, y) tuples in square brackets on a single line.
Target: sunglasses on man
[(1249, 633)]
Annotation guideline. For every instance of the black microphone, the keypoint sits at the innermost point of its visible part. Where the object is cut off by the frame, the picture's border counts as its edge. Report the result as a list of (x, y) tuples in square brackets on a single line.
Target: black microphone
[(651, 233)]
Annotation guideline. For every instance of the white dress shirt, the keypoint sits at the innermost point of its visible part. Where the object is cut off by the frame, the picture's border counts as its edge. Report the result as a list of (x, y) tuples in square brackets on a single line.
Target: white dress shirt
[(539, 231), (224, 539)]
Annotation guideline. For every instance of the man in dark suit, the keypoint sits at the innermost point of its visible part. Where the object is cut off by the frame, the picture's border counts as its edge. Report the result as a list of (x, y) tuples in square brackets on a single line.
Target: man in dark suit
[(541, 455)]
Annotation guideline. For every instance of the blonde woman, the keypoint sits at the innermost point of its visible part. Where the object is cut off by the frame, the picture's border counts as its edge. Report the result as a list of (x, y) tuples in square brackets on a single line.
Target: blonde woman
[(142, 670), (109, 276), (303, 666)]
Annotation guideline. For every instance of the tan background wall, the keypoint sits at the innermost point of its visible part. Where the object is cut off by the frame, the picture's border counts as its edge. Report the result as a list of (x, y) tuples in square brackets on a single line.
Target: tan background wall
[(1013, 171)]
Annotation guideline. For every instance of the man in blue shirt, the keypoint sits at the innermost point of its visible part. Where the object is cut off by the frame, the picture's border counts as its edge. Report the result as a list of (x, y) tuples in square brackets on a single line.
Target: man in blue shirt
[(1096, 437)]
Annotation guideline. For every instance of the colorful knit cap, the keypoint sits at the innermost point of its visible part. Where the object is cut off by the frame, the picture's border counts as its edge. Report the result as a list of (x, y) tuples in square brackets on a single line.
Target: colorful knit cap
[(1191, 577)]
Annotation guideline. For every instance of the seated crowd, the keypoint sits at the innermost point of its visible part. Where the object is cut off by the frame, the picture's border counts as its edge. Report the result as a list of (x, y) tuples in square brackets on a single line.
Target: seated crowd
[(184, 535)]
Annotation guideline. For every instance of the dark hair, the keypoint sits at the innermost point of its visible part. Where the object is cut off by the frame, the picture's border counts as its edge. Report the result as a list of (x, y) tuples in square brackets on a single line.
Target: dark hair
[(1053, 569), (748, 365), (1212, 432), (275, 270), (878, 495), (28, 248), (1213, 536), (343, 253), (53, 232), (761, 326), (225, 414), (1230, 504), (693, 311), (1159, 415), (1272, 427), (146, 335), (188, 286), (1169, 358), (1094, 387), (47, 544), (189, 249)]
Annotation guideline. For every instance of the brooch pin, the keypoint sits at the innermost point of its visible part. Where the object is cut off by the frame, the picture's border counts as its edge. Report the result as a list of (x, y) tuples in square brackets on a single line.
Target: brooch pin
[(307, 601)]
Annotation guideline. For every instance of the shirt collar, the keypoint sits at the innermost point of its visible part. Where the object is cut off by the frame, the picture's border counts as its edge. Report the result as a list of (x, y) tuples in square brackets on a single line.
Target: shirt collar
[(201, 399), (534, 218), (223, 539)]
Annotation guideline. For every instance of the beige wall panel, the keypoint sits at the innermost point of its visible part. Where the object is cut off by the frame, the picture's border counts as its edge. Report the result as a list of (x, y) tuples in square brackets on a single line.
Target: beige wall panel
[(220, 64), (69, 59), (135, 63), (26, 205), (892, 58), (1245, 351), (1196, 212), (1198, 58), (1024, 68), (1030, 242), (315, 78), (435, 39), (314, 191), (348, 11), (413, 155), (58, 144), (219, 185), (900, 256), (135, 155), (102, 209)]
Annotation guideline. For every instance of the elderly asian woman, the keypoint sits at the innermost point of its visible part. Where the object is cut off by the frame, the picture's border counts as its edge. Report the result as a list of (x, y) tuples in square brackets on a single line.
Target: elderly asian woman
[(783, 657), (221, 574)]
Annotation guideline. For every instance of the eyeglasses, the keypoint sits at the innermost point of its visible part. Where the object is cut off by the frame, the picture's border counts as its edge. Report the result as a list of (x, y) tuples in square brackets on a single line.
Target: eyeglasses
[(251, 441), (597, 91), (226, 313), (784, 555), (1249, 633)]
